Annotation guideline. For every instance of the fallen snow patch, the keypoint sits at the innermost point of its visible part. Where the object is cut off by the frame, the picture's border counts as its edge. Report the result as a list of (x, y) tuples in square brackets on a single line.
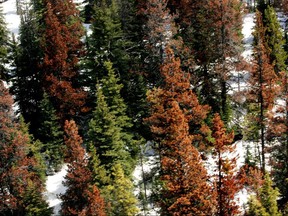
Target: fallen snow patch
[(55, 187)]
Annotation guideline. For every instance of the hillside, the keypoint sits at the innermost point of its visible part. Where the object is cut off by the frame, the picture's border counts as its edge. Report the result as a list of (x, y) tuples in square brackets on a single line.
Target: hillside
[(166, 109)]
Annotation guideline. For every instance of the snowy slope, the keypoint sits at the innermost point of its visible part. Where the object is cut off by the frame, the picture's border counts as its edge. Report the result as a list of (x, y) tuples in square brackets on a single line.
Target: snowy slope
[(54, 187), (12, 19), (248, 25)]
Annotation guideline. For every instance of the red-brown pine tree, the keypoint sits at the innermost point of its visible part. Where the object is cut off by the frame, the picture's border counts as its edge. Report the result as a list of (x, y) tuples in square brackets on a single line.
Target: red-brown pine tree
[(62, 48), (263, 88), (211, 30), (228, 181), (7, 198), (81, 197), (174, 107), (16, 173)]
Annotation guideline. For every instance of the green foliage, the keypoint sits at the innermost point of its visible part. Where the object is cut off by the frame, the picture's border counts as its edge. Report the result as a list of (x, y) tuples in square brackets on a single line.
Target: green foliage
[(256, 208), (50, 134), (4, 41), (26, 75), (35, 147), (35, 204), (106, 43), (266, 202), (99, 174), (106, 135), (251, 125), (275, 40), (120, 194), (109, 126)]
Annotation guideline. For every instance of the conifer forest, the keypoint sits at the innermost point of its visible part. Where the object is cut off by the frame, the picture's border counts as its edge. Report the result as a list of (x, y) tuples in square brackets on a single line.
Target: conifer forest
[(144, 107)]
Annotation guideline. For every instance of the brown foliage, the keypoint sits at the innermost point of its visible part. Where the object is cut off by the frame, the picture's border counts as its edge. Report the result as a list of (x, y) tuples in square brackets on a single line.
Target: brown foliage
[(62, 48), (15, 173), (229, 181), (174, 106), (81, 197), (262, 76)]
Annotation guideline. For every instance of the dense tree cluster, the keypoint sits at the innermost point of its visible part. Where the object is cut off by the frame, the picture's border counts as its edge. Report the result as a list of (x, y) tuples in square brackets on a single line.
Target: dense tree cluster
[(149, 71)]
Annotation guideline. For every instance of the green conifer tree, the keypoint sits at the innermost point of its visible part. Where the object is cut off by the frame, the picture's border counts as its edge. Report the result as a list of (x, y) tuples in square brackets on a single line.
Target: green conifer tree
[(26, 75), (106, 43), (266, 202), (35, 147), (275, 41), (4, 41), (50, 134), (109, 127), (106, 136), (123, 201)]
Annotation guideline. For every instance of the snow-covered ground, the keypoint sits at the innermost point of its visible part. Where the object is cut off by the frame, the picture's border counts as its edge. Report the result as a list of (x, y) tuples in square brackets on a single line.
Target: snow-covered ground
[(54, 187), (248, 25), (11, 18)]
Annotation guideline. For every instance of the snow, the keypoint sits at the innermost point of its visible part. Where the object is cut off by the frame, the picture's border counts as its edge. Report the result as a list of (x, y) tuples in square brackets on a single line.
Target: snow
[(55, 187), (248, 25), (11, 18)]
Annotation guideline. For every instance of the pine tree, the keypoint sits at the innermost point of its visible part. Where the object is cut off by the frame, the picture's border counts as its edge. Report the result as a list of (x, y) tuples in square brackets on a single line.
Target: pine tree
[(262, 82), (106, 43), (18, 175), (50, 134), (120, 190), (4, 40), (174, 108), (115, 38), (228, 181), (108, 128), (275, 42), (81, 196), (62, 48), (35, 147), (266, 203), (26, 74)]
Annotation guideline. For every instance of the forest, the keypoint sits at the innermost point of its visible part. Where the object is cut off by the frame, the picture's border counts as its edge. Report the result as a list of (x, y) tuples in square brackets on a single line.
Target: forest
[(101, 86)]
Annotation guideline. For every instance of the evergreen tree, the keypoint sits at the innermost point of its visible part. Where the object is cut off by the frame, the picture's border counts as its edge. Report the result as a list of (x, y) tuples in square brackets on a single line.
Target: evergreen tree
[(18, 175), (50, 134), (174, 107), (62, 49), (266, 203), (275, 42), (262, 82), (106, 43), (81, 197), (4, 41), (35, 147), (120, 190), (115, 38), (108, 128), (26, 75), (228, 181)]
